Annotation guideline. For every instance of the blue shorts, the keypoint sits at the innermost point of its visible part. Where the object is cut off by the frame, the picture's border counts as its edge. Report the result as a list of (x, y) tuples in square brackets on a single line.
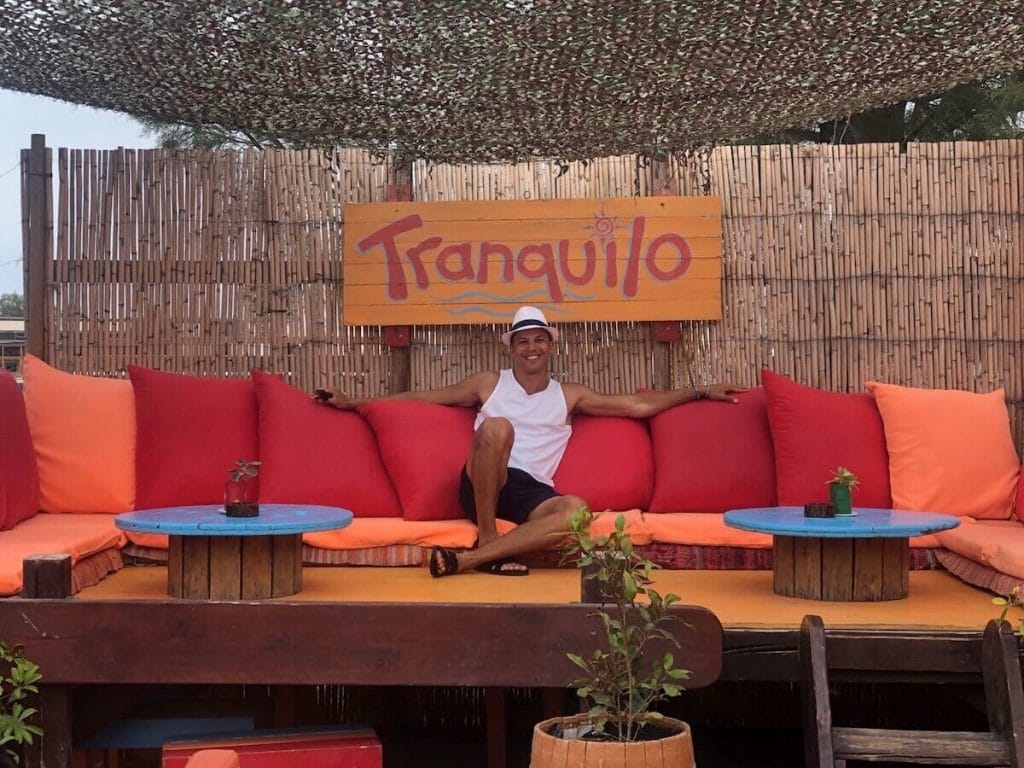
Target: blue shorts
[(521, 494)]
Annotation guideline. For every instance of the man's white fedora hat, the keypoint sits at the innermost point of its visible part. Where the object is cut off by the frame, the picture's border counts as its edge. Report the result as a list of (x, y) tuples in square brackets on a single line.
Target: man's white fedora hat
[(525, 318)]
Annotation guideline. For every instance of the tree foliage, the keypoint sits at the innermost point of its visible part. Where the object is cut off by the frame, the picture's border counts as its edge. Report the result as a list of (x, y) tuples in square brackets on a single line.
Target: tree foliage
[(12, 305), (988, 109)]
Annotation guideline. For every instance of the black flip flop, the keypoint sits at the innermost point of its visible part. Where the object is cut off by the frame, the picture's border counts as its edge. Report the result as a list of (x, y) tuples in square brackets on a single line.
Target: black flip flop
[(443, 562), (497, 568)]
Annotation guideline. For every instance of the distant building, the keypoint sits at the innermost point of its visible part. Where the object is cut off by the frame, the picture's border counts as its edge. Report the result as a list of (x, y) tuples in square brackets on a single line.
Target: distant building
[(12, 344)]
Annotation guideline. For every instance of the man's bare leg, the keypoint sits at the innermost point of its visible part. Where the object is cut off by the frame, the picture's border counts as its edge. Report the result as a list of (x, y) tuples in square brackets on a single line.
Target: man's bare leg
[(487, 467), (548, 523)]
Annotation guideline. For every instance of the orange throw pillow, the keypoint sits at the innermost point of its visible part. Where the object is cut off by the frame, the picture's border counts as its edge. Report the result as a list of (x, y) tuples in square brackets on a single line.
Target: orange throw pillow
[(83, 429), (949, 451)]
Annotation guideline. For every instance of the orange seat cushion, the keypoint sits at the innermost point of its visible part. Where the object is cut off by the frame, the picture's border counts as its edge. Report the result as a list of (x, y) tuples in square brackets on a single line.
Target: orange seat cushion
[(368, 532), (701, 528), (83, 430), (999, 544), (75, 535), (949, 451)]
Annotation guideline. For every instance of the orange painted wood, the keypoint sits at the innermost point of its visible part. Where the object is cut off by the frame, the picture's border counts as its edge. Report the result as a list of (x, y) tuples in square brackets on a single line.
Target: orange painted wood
[(467, 262)]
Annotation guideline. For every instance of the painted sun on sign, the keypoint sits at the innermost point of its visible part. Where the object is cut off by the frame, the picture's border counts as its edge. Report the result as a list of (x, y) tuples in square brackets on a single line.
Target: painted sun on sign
[(471, 260)]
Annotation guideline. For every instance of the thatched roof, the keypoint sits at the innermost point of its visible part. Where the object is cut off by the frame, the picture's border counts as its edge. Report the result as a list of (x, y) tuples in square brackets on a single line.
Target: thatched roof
[(465, 80)]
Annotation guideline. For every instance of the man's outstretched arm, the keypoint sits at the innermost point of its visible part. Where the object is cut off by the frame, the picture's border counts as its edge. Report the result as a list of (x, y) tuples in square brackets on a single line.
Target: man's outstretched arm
[(642, 405), (469, 392)]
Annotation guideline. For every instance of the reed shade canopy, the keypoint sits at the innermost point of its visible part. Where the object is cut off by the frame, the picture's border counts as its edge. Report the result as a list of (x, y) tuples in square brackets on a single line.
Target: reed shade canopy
[(472, 81)]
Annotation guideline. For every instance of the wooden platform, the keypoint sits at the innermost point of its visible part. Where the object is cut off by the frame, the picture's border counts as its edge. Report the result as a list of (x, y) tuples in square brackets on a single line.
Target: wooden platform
[(741, 599)]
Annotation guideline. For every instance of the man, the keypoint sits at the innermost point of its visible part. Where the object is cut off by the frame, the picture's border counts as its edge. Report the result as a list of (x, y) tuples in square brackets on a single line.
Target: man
[(522, 429)]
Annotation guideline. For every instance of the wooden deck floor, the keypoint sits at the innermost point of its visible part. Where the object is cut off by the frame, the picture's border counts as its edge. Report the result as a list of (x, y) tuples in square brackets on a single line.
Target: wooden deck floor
[(740, 599)]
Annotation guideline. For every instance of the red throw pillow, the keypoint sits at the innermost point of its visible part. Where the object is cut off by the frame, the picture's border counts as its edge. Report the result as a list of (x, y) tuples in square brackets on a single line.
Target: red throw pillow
[(314, 454), (19, 478), (711, 456), (424, 447), (815, 431), (608, 462), (191, 431)]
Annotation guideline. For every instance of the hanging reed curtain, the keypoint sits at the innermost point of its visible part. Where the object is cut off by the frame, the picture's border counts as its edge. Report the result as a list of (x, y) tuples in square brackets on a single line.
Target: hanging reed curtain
[(841, 264)]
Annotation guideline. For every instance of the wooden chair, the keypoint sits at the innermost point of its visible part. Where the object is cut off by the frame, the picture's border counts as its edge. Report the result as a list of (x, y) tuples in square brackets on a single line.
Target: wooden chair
[(993, 658)]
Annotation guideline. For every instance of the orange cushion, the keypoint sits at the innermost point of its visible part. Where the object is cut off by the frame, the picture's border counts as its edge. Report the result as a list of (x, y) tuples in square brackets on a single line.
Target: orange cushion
[(999, 544), (77, 535), (949, 451), (704, 528), (366, 532), (603, 525), (83, 429), (213, 758)]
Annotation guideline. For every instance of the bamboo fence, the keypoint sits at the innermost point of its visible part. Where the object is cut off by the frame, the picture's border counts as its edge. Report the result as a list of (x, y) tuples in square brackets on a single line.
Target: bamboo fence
[(841, 264)]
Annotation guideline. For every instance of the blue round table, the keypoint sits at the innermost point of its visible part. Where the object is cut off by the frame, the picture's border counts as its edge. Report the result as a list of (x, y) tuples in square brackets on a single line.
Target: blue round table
[(213, 556), (859, 557)]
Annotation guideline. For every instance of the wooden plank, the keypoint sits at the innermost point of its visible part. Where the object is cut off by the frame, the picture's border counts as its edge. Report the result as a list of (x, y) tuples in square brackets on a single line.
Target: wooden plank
[(55, 718), (175, 566), (195, 567), (867, 568), (1003, 692), (933, 747), (807, 567), (783, 574), (895, 569), (37, 212), (435, 259), (241, 642), (286, 565), (837, 569), (225, 567), (817, 710), (257, 567), (495, 712), (46, 576)]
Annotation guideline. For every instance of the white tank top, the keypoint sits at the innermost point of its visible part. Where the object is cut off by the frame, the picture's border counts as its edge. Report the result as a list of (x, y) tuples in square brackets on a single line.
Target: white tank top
[(539, 422)]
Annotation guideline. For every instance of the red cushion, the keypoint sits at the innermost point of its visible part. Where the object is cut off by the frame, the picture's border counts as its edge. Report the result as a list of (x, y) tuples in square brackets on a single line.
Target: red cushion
[(424, 447), (191, 431), (710, 457), (814, 432), (19, 477), (312, 454), (608, 462)]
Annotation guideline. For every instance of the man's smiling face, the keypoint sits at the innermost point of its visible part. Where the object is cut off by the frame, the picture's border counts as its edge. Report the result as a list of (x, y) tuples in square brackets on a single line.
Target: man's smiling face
[(530, 350)]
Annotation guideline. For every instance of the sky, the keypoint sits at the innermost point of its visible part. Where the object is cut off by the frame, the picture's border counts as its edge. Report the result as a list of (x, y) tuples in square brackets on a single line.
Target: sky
[(64, 125)]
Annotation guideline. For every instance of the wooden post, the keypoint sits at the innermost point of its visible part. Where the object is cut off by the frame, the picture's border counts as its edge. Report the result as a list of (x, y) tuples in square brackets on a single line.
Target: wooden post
[(55, 716), (665, 333), (397, 337), (37, 239), (46, 576)]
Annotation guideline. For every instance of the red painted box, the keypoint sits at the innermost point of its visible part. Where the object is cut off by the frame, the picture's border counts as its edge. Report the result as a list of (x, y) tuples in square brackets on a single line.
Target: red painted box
[(309, 748)]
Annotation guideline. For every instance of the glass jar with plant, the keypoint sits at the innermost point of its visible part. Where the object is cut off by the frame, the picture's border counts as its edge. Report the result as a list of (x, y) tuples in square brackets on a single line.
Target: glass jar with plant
[(239, 495), (840, 489), (623, 681), (18, 678)]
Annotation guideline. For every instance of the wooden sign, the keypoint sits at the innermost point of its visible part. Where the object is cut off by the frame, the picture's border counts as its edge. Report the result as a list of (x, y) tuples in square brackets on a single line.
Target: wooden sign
[(646, 258)]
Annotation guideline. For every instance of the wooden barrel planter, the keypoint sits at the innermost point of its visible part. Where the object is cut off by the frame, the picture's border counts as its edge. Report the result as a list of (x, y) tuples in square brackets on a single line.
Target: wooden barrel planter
[(675, 751)]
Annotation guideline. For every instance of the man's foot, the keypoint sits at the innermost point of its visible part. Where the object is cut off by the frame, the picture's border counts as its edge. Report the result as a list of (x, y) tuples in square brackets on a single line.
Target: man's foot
[(443, 562), (505, 567)]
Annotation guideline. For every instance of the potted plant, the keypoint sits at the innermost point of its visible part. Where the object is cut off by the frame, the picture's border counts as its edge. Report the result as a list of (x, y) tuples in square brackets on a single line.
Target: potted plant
[(622, 681), (239, 498), (840, 489), (18, 678)]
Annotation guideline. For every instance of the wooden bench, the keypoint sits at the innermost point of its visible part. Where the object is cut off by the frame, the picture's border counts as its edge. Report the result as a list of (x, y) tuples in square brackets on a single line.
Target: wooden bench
[(91, 644), (993, 658)]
